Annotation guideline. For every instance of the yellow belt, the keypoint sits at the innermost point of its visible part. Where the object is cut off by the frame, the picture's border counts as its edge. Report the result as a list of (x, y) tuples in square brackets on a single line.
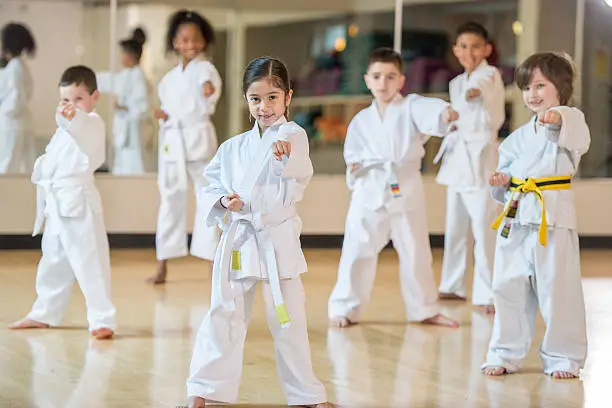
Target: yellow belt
[(535, 186)]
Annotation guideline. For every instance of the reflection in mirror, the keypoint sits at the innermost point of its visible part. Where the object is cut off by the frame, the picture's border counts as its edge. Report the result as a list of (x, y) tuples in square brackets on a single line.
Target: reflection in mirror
[(132, 140)]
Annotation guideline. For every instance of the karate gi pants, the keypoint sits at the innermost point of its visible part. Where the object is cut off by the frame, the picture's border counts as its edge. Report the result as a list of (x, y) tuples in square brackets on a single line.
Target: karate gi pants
[(171, 235), (473, 208), (74, 248), (216, 365), (528, 275), (367, 232)]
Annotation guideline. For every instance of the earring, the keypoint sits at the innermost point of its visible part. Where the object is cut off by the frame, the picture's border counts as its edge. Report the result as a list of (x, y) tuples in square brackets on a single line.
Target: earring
[(287, 111)]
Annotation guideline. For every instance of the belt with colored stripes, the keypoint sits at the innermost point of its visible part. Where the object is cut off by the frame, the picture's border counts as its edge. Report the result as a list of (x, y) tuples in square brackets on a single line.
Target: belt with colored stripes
[(536, 186)]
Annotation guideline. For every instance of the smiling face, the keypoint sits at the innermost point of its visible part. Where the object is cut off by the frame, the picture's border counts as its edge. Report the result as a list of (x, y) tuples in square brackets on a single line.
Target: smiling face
[(189, 41), (470, 49), (540, 94), (267, 102), (384, 80)]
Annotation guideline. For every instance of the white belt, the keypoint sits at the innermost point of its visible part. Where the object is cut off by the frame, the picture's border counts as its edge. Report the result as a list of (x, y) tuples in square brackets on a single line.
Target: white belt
[(45, 197), (255, 225), (448, 142)]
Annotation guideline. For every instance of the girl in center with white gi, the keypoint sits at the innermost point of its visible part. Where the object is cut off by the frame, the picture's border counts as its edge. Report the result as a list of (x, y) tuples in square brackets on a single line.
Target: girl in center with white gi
[(189, 94), (256, 179)]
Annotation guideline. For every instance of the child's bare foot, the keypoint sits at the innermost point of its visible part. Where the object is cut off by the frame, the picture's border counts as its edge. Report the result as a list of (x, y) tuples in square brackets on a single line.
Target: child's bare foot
[(489, 309), (194, 402), (450, 296), (28, 324), (340, 322), (161, 273), (103, 333), (441, 320), (562, 375), (494, 371)]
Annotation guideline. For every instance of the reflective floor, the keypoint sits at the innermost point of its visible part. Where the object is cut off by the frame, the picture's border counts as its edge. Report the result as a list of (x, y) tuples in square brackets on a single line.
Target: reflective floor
[(381, 363)]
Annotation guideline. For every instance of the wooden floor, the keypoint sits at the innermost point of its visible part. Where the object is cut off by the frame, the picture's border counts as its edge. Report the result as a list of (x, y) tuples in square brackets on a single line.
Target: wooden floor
[(381, 363)]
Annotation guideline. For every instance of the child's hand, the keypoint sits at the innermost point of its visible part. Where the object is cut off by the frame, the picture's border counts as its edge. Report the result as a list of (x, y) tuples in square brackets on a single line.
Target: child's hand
[(281, 148), (472, 93), (498, 179), (67, 110), (160, 114), (550, 117), (208, 89), (450, 115), (234, 202), (119, 107), (353, 167)]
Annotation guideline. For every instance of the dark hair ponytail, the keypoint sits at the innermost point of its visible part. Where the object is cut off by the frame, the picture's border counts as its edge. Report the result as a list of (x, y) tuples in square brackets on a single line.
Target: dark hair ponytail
[(134, 44)]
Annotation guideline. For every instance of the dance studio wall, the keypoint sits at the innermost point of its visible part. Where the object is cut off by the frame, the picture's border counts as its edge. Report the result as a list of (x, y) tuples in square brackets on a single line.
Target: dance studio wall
[(130, 205)]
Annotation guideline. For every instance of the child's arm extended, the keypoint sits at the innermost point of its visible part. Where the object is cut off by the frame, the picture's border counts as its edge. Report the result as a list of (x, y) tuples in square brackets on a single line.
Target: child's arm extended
[(566, 127), (490, 92), (87, 130), (431, 116), (211, 84), (292, 161)]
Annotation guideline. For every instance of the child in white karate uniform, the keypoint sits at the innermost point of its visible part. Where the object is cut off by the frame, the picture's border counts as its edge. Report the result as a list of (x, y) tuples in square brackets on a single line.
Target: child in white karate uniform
[(537, 258), (189, 94), (256, 179), (383, 153), (469, 157), (132, 120), (17, 150), (74, 243)]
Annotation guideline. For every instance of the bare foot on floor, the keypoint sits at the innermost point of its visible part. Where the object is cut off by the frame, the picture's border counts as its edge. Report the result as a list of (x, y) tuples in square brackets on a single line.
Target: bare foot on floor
[(562, 375), (160, 275), (194, 402), (103, 333), (441, 320), (28, 324), (494, 371), (340, 322), (450, 296), (489, 309)]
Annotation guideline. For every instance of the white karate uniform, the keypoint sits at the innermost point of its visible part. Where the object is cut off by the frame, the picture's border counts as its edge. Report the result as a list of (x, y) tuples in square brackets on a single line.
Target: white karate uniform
[(187, 143), (266, 236), (17, 150), (390, 151), (469, 158), (74, 244), (528, 274), (132, 128)]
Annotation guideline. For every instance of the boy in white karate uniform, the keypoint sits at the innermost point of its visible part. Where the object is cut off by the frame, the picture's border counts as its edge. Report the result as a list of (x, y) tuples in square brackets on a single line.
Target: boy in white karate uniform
[(74, 243), (537, 258), (383, 152), (469, 157)]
